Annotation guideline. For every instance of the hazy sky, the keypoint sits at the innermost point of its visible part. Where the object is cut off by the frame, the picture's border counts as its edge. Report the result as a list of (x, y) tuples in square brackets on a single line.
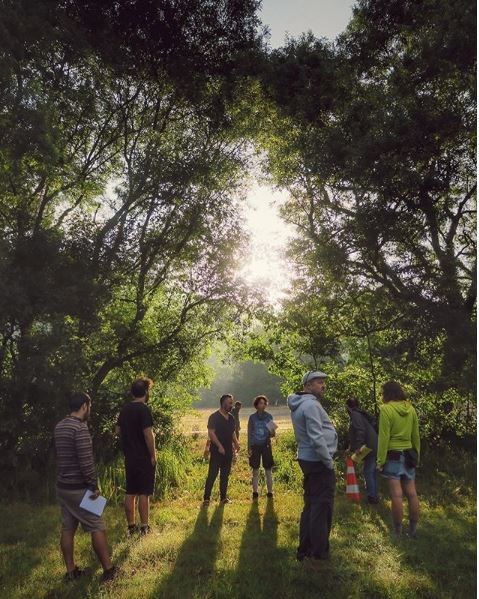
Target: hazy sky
[(269, 235), (326, 18)]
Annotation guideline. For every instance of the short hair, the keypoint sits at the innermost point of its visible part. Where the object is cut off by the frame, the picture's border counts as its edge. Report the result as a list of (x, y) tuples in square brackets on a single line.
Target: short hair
[(77, 399), (393, 391), (238, 404), (352, 402), (140, 387), (224, 397), (258, 398)]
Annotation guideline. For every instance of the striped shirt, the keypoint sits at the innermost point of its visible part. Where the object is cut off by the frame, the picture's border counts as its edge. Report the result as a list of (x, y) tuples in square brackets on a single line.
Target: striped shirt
[(75, 465)]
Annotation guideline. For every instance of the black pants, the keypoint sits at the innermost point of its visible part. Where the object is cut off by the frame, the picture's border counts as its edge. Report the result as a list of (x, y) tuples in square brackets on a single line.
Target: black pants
[(261, 453), (316, 518), (222, 464)]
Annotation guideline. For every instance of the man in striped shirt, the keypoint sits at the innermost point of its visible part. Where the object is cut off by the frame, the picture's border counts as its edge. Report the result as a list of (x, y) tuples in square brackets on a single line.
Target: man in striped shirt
[(75, 475)]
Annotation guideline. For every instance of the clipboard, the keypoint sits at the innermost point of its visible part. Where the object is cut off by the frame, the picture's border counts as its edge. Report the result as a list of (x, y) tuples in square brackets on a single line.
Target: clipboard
[(271, 426), (94, 506), (363, 452)]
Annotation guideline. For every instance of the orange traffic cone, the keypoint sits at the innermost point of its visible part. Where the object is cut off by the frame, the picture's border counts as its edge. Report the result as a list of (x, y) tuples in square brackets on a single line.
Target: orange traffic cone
[(352, 489)]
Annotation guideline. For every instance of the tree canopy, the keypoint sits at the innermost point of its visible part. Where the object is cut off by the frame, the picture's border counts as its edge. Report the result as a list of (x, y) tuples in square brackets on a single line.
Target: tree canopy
[(127, 134)]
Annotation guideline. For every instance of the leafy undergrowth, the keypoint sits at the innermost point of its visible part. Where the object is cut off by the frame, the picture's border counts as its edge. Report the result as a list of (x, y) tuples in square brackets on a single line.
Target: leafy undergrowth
[(246, 550)]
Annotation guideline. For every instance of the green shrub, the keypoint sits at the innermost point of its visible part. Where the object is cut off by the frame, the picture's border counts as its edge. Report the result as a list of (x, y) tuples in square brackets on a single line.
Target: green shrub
[(173, 460), (287, 469)]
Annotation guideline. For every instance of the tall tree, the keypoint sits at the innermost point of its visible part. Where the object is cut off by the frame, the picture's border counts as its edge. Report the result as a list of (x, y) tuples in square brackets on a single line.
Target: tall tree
[(376, 144), (119, 180)]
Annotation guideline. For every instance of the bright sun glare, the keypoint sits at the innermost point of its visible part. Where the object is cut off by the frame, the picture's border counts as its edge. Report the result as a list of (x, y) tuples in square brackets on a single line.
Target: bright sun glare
[(265, 265)]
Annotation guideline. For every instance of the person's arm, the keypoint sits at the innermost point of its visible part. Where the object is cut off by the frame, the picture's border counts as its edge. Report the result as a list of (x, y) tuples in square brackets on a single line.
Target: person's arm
[(236, 444), (206, 451), (214, 439), (314, 430), (250, 433), (150, 443), (383, 438), (416, 440), (148, 434), (273, 432), (84, 451)]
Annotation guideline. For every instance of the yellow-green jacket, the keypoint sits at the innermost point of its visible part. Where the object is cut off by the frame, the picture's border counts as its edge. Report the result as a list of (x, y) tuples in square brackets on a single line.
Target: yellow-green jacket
[(398, 428)]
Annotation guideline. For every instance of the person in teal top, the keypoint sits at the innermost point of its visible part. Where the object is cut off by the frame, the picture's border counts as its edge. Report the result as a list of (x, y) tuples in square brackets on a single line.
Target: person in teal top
[(398, 453)]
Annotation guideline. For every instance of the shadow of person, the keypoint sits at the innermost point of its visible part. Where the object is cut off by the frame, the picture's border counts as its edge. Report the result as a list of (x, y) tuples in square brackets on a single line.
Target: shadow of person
[(195, 562), (260, 568), (270, 526)]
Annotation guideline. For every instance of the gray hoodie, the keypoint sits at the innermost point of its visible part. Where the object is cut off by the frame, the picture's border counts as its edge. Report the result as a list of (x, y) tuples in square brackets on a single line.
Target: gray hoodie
[(315, 434)]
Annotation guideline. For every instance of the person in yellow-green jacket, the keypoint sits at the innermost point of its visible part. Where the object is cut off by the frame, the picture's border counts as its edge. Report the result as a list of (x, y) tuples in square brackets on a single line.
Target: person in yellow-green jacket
[(398, 453)]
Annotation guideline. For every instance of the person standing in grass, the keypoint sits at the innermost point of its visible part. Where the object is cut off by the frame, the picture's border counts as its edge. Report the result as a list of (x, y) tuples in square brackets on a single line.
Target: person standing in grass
[(259, 444), (361, 432), (75, 476), (317, 443), (221, 432), (135, 427), (398, 454), (235, 412)]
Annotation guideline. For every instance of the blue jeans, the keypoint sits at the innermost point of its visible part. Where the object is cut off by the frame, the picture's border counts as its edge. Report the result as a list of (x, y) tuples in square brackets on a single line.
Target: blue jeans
[(369, 473)]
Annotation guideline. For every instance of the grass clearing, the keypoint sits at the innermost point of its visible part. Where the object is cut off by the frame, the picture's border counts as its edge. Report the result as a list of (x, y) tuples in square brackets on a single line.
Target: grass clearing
[(195, 421), (246, 550)]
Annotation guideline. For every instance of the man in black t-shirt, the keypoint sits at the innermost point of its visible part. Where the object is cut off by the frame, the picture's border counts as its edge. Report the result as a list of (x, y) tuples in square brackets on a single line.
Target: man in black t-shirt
[(135, 427), (221, 432)]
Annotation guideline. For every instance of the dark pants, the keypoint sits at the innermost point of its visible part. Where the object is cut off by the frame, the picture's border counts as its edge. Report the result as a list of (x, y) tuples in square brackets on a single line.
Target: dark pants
[(316, 518), (261, 453), (370, 475), (222, 464)]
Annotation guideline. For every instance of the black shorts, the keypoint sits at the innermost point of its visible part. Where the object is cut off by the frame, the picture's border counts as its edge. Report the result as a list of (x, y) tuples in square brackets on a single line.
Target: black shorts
[(261, 453), (140, 477)]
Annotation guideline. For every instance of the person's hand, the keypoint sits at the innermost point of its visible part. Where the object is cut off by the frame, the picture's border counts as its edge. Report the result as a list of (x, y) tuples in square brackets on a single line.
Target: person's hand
[(380, 467), (153, 461), (357, 452), (250, 452), (95, 494), (221, 450), (238, 449)]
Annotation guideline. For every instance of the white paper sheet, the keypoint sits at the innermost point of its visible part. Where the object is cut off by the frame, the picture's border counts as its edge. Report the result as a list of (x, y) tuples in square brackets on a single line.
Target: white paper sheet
[(95, 506), (271, 426)]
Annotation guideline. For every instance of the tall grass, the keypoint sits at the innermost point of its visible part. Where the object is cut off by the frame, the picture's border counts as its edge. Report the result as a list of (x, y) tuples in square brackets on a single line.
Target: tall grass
[(173, 461)]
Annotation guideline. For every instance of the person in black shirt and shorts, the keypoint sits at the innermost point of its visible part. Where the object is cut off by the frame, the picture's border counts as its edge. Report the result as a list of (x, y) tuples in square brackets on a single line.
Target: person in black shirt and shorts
[(221, 432), (135, 427)]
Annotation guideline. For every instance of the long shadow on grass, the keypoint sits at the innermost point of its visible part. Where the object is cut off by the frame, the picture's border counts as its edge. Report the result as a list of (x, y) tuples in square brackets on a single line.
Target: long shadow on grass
[(261, 563), (195, 563)]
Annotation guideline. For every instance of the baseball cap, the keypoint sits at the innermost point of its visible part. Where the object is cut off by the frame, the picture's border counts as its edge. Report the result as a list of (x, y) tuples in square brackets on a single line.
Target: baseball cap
[(313, 374)]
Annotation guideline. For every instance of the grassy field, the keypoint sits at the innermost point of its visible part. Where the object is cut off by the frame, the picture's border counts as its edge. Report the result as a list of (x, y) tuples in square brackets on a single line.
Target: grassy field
[(246, 550), (196, 420)]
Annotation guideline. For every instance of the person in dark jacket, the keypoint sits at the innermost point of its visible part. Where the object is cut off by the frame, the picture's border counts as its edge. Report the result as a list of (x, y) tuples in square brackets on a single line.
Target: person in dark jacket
[(361, 432)]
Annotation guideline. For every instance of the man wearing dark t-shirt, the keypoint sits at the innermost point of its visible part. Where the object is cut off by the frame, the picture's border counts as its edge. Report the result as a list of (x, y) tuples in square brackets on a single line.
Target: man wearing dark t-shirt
[(221, 432), (134, 426)]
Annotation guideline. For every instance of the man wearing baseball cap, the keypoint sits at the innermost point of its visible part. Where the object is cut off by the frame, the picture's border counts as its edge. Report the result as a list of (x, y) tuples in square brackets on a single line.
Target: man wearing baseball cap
[(317, 443)]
